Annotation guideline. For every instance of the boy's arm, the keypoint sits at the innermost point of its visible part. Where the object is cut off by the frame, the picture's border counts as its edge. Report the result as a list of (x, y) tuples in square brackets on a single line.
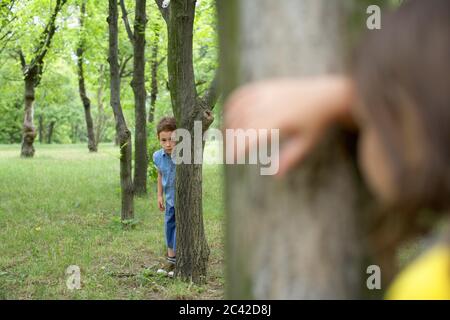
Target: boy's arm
[(160, 193)]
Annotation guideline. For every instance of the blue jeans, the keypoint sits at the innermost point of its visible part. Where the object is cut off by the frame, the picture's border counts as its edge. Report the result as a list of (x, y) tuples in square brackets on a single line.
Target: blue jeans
[(169, 227)]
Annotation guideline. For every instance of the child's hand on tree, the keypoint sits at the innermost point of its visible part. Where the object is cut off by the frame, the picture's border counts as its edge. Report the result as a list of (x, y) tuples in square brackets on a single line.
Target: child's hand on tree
[(302, 109), (161, 203)]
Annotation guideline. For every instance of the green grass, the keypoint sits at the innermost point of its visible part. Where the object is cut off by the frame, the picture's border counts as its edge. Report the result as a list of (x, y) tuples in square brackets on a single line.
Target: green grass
[(62, 208)]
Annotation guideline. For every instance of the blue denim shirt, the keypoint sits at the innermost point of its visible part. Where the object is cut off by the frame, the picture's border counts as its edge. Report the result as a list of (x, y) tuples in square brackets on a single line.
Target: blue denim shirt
[(166, 167)]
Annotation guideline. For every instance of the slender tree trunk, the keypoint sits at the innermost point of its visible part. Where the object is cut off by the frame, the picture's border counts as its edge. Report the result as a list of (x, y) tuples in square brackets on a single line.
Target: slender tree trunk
[(188, 107), (123, 134), (32, 73), (75, 133), (101, 119), (51, 128), (29, 131), (137, 39), (296, 238), (192, 247), (154, 79), (140, 95), (41, 129), (92, 145)]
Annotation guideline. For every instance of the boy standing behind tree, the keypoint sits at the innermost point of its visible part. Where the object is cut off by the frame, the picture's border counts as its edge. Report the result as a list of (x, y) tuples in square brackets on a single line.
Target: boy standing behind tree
[(166, 187)]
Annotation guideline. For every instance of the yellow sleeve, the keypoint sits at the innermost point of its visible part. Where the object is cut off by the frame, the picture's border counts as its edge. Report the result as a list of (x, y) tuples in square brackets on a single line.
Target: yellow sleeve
[(427, 278)]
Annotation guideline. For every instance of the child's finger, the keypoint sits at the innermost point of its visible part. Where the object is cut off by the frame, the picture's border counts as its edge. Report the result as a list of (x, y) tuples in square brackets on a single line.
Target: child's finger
[(293, 151), (235, 119), (239, 96), (239, 111)]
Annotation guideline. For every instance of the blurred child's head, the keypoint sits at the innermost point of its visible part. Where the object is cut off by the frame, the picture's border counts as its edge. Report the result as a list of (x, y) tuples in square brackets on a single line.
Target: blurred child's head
[(402, 74), (165, 128)]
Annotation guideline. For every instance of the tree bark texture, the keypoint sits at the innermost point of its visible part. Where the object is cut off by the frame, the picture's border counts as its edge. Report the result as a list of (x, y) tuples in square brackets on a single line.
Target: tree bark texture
[(188, 107), (92, 145), (140, 96), (154, 79), (122, 132), (295, 238), (32, 73), (51, 128)]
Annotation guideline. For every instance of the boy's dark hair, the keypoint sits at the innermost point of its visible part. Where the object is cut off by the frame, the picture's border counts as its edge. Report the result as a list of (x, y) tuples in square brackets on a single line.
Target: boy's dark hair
[(166, 124), (402, 77)]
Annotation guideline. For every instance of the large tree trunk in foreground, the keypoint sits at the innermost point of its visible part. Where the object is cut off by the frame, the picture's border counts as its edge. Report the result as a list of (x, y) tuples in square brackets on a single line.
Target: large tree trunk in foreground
[(140, 96), (295, 238), (92, 146), (123, 134)]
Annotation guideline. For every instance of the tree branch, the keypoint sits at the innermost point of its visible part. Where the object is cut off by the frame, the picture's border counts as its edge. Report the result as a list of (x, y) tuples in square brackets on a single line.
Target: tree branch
[(46, 36), (126, 75), (7, 6), (213, 93), (80, 53), (164, 11), (5, 23), (22, 59), (123, 64), (160, 61), (7, 17), (126, 22), (3, 47)]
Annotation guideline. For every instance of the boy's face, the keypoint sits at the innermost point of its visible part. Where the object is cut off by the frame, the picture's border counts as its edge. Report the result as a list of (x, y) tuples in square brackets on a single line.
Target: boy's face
[(165, 139)]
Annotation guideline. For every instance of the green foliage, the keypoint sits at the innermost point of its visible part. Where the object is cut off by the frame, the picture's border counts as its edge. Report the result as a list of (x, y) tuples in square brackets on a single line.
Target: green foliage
[(205, 44), (57, 96), (11, 104), (153, 145), (57, 101)]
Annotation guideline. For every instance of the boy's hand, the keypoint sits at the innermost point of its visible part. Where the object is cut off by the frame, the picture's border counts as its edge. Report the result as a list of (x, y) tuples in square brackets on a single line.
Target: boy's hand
[(161, 203), (302, 109)]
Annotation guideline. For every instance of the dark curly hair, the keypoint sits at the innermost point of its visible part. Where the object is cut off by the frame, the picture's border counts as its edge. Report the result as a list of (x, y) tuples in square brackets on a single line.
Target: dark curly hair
[(166, 124)]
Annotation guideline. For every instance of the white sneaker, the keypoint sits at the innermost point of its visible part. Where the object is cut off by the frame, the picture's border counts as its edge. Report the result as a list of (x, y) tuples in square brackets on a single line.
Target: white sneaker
[(162, 271)]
